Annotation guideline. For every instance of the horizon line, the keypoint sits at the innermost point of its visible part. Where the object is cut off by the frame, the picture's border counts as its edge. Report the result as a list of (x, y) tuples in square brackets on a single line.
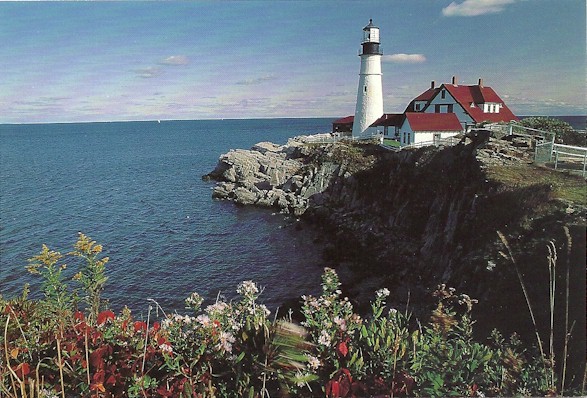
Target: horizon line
[(223, 118)]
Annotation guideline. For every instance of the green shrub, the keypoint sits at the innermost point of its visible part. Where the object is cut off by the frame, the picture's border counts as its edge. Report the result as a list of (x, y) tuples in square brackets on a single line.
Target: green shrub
[(564, 132)]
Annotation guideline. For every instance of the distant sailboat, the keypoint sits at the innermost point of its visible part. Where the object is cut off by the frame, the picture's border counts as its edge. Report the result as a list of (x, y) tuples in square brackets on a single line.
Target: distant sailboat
[(158, 121)]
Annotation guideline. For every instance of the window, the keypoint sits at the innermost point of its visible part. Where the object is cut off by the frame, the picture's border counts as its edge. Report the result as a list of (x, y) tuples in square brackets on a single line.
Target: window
[(365, 89), (417, 107), (443, 94), (437, 108), (450, 108)]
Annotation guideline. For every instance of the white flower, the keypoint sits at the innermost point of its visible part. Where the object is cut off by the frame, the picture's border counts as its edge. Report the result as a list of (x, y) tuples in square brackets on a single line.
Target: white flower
[(313, 362), (383, 293), (340, 322), (44, 393), (247, 288), (217, 308), (226, 340), (203, 320), (324, 339), (194, 300), (166, 323), (166, 348), (265, 310)]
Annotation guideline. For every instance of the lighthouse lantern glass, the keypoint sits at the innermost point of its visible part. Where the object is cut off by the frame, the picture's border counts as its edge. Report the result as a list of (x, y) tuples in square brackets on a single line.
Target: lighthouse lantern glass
[(371, 35)]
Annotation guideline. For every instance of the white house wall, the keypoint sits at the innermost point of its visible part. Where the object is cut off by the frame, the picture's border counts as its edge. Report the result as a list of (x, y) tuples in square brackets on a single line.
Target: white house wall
[(417, 137)]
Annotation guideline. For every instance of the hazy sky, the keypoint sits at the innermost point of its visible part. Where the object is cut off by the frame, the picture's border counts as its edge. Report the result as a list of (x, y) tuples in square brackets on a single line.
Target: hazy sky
[(89, 61)]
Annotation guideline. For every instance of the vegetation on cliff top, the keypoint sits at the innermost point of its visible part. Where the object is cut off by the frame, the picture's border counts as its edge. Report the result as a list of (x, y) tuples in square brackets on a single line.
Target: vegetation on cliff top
[(69, 343)]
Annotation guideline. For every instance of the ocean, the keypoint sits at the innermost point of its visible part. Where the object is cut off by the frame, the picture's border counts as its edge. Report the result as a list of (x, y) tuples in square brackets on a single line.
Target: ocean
[(136, 188)]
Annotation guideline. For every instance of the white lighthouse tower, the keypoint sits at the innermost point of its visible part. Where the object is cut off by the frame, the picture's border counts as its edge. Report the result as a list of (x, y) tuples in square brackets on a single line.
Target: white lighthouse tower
[(370, 93)]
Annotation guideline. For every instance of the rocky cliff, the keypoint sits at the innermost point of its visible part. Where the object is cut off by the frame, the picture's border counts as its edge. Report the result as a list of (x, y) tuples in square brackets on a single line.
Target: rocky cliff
[(417, 218)]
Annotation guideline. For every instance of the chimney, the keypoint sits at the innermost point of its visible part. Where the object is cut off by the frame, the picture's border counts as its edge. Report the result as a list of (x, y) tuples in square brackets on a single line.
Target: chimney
[(480, 82), (432, 84), (454, 80)]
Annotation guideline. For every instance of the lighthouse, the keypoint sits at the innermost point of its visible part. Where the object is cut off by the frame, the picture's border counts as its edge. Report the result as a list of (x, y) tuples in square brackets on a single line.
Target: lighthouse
[(370, 93)]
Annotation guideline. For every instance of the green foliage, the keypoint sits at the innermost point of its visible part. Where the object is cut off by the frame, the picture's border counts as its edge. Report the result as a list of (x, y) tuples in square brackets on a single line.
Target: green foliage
[(564, 132), (232, 348)]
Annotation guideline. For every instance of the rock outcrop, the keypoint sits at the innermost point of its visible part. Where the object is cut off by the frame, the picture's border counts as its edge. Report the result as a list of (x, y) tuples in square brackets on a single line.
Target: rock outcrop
[(284, 177)]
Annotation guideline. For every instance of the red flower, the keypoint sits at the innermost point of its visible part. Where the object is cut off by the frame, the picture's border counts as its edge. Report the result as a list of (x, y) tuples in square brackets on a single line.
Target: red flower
[(105, 316)]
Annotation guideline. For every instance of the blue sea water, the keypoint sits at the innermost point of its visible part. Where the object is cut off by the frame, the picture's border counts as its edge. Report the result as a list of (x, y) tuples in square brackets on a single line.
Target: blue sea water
[(136, 188)]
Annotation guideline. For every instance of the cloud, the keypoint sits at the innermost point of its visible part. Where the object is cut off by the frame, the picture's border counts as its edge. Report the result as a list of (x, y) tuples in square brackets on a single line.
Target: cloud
[(472, 8), (149, 72), (258, 80), (405, 58), (176, 60)]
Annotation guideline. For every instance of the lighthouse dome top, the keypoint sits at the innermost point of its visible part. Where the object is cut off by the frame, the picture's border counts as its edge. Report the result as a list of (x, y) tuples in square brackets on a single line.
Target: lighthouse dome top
[(370, 33), (370, 26)]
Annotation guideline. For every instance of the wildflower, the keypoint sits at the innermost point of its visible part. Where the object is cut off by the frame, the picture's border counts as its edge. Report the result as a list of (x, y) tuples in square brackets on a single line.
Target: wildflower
[(166, 348), (217, 308), (226, 340), (324, 339), (265, 309), (44, 393), (166, 323), (203, 320), (313, 362), (194, 301), (247, 288), (340, 322), (383, 293)]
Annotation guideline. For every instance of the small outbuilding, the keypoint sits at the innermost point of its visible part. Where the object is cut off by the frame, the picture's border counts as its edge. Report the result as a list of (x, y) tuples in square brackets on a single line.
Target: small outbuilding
[(420, 127), (343, 126)]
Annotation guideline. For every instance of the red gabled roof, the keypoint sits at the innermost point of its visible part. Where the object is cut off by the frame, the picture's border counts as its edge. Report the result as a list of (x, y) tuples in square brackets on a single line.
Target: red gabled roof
[(420, 121), (427, 95), (389, 119), (467, 95), (344, 120)]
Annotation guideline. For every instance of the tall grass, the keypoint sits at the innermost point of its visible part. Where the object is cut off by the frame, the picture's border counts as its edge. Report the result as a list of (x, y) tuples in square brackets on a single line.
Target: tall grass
[(552, 259)]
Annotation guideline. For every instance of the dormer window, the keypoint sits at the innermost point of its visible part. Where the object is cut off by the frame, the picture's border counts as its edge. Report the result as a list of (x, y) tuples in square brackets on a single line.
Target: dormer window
[(491, 107), (443, 94)]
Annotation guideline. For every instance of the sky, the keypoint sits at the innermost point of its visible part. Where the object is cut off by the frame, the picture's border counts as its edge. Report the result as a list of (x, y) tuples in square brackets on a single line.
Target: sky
[(115, 61)]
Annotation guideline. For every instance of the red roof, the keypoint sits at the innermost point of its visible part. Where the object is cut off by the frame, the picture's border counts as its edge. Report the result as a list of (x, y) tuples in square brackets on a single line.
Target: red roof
[(427, 95), (344, 120), (467, 95), (420, 121), (389, 119)]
